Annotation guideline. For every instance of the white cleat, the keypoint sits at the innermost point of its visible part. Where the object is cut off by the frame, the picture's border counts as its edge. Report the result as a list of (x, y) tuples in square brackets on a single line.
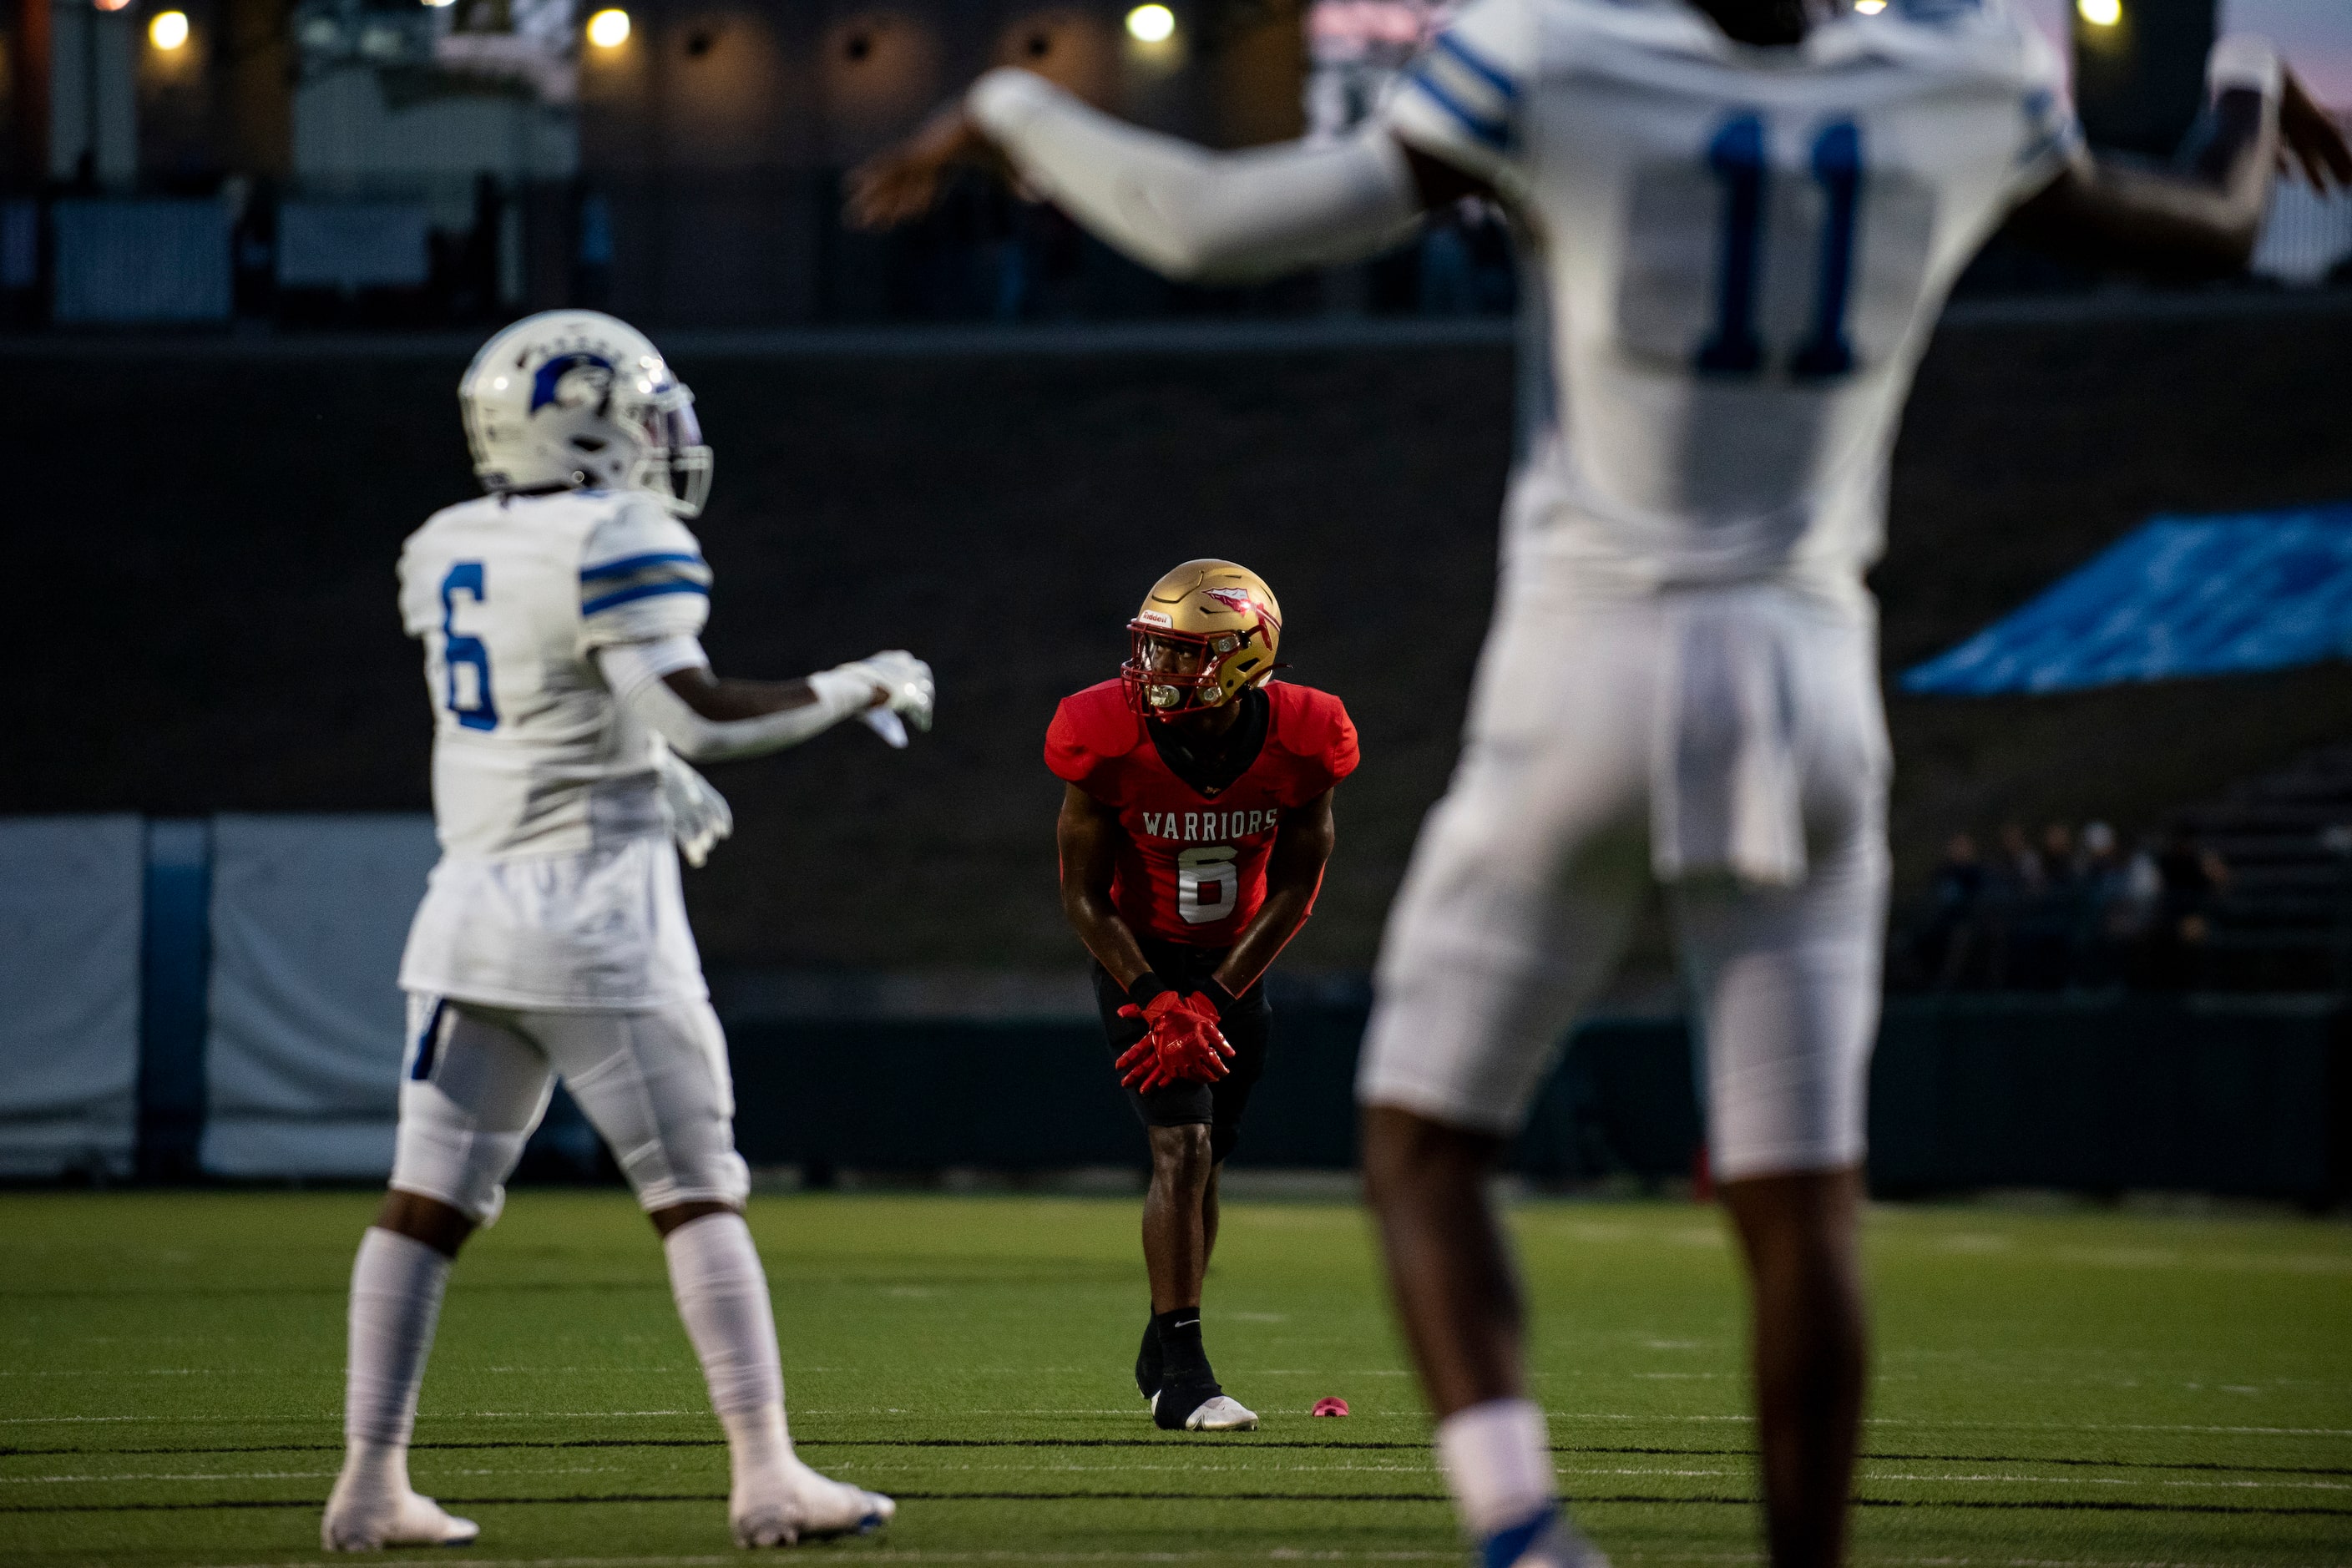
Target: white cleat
[(372, 1523), (797, 1504), (1221, 1415)]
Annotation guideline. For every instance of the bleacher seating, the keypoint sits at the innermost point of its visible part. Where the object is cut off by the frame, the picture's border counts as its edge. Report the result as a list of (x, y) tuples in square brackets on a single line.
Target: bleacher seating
[(2285, 920)]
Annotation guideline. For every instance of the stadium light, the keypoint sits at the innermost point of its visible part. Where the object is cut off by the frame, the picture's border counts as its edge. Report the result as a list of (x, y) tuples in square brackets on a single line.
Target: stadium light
[(109, 5), (609, 28), (2100, 13), (1151, 24), (436, 4), (1869, 7), (169, 30)]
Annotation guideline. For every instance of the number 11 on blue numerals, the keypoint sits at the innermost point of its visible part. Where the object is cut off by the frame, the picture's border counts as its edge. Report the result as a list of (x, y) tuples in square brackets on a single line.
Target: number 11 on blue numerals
[(1735, 158)]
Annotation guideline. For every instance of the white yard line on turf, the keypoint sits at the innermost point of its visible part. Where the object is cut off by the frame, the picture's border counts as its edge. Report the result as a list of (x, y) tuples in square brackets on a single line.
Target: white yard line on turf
[(308, 1475), (886, 1554), (1199, 1467), (162, 1476), (1998, 1562), (2112, 1481), (1194, 1467), (433, 1416), (1295, 1554), (430, 1415), (140, 1371)]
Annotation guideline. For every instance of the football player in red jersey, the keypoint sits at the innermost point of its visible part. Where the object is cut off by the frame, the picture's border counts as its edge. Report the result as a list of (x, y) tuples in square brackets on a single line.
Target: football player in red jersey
[(1196, 821)]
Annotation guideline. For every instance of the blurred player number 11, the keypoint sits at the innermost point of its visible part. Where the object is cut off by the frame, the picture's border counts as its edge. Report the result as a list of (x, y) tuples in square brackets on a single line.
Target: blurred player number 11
[(1735, 157)]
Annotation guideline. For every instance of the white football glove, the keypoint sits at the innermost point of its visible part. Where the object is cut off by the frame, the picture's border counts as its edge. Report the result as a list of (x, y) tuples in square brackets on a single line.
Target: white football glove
[(906, 685), (699, 813)]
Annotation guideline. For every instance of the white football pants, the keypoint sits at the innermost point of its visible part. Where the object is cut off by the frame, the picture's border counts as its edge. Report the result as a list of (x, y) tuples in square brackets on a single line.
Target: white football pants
[(654, 1084), (1612, 743)]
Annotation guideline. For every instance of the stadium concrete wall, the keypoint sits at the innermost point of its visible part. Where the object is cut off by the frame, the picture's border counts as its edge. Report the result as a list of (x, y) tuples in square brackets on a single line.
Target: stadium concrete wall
[(207, 530), (216, 1000), (2244, 1097)]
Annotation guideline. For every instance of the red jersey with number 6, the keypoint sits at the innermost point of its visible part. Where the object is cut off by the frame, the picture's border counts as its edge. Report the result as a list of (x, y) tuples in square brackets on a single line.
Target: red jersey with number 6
[(1193, 870)]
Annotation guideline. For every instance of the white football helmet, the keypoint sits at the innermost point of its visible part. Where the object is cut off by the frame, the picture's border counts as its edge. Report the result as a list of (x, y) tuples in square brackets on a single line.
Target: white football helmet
[(579, 399)]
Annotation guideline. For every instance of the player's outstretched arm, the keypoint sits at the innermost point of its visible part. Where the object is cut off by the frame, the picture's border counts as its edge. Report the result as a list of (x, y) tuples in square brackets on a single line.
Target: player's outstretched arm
[(706, 719), (1179, 209), (2200, 222), (1294, 874)]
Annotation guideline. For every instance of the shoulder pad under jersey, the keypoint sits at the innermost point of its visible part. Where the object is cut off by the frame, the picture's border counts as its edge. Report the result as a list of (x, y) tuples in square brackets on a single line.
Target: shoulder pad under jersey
[(628, 523), (1314, 726), (1090, 728)]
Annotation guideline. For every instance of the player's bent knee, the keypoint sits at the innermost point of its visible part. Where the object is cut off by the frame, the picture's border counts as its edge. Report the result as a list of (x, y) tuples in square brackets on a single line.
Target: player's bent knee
[(439, 1226), (1407, 1153), (665, 1220), (465, 1173), (1183, 1154), (666, 1180)]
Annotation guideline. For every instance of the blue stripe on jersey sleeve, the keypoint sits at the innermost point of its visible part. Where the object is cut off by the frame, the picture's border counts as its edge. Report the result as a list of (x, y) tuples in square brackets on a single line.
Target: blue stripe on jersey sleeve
[(1494, 76), (1494, 133), (630, 564), (642, 591), (2054, 119)]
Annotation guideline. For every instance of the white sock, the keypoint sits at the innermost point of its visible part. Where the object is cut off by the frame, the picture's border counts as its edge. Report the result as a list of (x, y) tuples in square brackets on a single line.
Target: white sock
[(1497, 1462), (722, 1296), (396, 1285)]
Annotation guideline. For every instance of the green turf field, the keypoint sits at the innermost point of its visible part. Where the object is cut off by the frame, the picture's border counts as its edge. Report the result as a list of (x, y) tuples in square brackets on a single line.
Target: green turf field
[(2053, 1388)]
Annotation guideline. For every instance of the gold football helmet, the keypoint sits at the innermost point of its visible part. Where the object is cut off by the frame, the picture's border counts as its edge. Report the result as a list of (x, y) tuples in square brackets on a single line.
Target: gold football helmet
[(1208, 632)]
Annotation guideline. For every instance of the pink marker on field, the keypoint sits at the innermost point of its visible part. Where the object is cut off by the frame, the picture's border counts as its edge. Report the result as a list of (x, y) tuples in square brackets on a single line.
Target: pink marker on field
[(1329, 1405)]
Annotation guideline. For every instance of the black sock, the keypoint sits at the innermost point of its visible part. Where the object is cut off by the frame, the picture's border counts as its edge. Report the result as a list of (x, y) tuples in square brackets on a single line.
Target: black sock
[(1149, 1360), (1182, 1353)]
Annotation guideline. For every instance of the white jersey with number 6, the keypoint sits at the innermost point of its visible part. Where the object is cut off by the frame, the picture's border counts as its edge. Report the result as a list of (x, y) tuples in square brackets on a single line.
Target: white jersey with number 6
[(557, 886), (1742, 252)]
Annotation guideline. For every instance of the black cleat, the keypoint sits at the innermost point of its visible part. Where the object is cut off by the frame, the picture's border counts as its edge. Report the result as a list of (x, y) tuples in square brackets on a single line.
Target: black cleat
[(1180, 1407), (1182, 1395)]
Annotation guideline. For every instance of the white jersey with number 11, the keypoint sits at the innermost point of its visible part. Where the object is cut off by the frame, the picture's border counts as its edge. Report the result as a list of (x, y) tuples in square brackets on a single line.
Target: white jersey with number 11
[(1743, 251)]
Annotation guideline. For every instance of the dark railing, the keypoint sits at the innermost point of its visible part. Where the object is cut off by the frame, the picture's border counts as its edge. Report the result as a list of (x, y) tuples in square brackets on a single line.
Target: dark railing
[(2101, 932), (762, 248)]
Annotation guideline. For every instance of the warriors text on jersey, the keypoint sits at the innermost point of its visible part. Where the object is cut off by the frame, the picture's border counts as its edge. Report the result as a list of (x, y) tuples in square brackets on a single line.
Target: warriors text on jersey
[(1743, 251), (557, 886), (1191, 867)]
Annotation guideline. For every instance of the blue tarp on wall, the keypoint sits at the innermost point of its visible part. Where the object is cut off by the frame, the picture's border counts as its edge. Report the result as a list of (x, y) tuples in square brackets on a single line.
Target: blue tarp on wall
[(2182, 595)]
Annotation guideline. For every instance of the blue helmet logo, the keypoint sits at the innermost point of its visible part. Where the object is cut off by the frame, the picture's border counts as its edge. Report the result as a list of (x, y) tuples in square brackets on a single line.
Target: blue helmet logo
[(573, 380)]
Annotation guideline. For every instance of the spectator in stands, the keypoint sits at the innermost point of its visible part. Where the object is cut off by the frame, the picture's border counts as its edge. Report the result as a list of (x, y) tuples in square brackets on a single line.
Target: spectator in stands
[(2143, 883), (2018, 865), (2040, 917), (2060, 866), (2109, 912), (2012, 877), (1951, 937), (2192, 876), (2117, 890), (2189, 878)]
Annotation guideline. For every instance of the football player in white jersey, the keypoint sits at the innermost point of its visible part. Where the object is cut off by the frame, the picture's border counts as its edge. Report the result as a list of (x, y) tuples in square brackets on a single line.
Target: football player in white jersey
[(560, 615), (1745, 216)]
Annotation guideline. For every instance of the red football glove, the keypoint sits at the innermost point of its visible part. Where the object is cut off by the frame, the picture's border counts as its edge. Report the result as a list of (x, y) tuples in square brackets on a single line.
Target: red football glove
[(1180, 1043)]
